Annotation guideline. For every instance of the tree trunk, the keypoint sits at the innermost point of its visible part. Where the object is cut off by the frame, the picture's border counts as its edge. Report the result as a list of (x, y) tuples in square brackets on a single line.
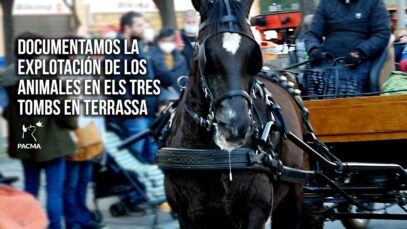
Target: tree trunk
[(76, 23), (8, 29), (167, 13), (307, 7)]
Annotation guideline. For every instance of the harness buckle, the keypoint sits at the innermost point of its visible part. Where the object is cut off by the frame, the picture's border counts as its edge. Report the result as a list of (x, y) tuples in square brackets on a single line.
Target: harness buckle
[(209, 122), (266, 131), (206, 92), (253, 93)]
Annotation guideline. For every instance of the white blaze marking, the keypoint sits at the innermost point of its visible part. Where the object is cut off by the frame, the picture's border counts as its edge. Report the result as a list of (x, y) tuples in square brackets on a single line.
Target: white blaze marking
[(232, 114), (231, 42)]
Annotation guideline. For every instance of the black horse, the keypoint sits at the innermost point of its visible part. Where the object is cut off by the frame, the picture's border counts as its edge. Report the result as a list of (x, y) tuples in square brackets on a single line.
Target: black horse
[(227, 61)]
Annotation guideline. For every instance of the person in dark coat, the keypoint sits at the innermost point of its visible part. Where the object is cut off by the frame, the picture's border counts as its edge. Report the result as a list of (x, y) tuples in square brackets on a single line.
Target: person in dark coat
[(40, 142), (357, 30), (189, 34), (132, 26), (168, 64)]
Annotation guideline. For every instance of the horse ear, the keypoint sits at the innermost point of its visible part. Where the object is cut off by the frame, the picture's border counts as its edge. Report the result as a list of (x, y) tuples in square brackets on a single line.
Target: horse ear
[(247, 4), (198, 4), (256, 61)]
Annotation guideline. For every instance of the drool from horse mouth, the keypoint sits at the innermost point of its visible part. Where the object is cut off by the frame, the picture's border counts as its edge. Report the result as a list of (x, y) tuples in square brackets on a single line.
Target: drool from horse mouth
[(220, 141)]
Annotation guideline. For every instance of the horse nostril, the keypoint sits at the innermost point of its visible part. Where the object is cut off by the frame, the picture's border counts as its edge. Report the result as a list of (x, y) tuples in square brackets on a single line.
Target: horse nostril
[(221, 124), (244, 127)]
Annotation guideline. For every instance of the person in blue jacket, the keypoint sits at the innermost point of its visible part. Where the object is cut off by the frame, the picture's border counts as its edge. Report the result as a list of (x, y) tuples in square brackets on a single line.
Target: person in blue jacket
[(168, 64), (357, 30)]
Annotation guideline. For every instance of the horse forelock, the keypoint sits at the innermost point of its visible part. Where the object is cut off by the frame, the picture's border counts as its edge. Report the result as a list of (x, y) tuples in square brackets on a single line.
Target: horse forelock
[(215, 12)]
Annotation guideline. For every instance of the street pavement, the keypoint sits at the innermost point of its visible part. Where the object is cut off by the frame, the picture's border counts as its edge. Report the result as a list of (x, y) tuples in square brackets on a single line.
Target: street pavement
[(13, 168)]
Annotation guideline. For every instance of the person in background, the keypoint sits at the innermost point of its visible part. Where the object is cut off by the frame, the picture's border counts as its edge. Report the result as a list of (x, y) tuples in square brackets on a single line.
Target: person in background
[(79, 169), (400, 43), (168, 64), (148, 37), (3, 105), (403, 60), (132, 26), (356, 30), (51, 133), (189, 34), (300, 37), (3, 100), (401, 36)]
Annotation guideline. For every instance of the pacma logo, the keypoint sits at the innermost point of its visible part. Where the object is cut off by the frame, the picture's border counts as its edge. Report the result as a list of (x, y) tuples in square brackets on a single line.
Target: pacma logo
[(28, 146), (30, 130)]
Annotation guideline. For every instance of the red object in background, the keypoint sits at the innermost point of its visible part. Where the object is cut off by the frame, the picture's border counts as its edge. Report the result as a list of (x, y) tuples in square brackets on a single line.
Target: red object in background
[(279, 21), (20, 210), (403, 65), (276, 21), (178, 40)]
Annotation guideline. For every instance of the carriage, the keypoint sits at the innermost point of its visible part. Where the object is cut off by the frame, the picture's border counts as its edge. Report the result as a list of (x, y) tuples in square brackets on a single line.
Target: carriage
[(371, 129), (368, 128), (365, 129)]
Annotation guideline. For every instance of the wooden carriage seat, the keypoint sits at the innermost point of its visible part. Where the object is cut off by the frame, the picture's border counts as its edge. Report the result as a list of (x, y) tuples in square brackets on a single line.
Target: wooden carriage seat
[(382, 66), (359, 119)]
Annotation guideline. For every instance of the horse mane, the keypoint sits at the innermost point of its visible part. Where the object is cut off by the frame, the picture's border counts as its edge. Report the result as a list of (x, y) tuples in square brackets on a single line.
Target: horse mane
[(216, 11)]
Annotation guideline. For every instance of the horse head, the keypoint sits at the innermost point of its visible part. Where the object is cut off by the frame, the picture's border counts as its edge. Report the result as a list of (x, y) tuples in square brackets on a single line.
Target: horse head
[(228, 58)]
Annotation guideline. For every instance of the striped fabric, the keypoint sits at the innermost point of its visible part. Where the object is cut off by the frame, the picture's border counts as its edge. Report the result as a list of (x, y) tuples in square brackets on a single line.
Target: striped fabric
[(149, 175)]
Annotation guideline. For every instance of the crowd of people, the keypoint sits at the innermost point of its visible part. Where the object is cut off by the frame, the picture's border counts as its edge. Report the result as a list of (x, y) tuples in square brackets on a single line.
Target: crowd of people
[(68, 173), (169, 54)]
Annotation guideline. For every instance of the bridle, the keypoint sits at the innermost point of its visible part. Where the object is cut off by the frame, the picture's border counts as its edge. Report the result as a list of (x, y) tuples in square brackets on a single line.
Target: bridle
[(231, 22)]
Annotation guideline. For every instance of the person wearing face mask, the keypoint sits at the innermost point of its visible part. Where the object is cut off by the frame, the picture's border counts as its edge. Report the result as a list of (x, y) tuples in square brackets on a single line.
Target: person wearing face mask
[(356, 30), (168, 64), (189, 34), (132, 26), (149, 37)]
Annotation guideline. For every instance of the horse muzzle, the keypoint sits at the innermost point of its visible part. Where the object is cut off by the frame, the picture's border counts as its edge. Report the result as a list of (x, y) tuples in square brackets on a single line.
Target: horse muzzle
[(233, 126)]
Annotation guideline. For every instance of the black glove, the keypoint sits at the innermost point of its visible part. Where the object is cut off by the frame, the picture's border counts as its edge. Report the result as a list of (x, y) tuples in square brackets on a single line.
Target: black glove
[(354, 58), (317, 56)]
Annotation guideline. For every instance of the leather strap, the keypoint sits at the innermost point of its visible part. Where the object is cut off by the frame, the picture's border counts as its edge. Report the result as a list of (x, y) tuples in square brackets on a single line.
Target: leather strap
[(233, 93), (182, 159)]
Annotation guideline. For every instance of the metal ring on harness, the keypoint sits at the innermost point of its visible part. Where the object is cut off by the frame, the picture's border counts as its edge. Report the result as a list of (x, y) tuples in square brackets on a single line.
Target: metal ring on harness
[(182, 86)]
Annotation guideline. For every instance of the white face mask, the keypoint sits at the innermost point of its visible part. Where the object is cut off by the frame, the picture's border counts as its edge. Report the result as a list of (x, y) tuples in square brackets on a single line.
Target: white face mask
[(167, 47), (193, 29), (149, 35)]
